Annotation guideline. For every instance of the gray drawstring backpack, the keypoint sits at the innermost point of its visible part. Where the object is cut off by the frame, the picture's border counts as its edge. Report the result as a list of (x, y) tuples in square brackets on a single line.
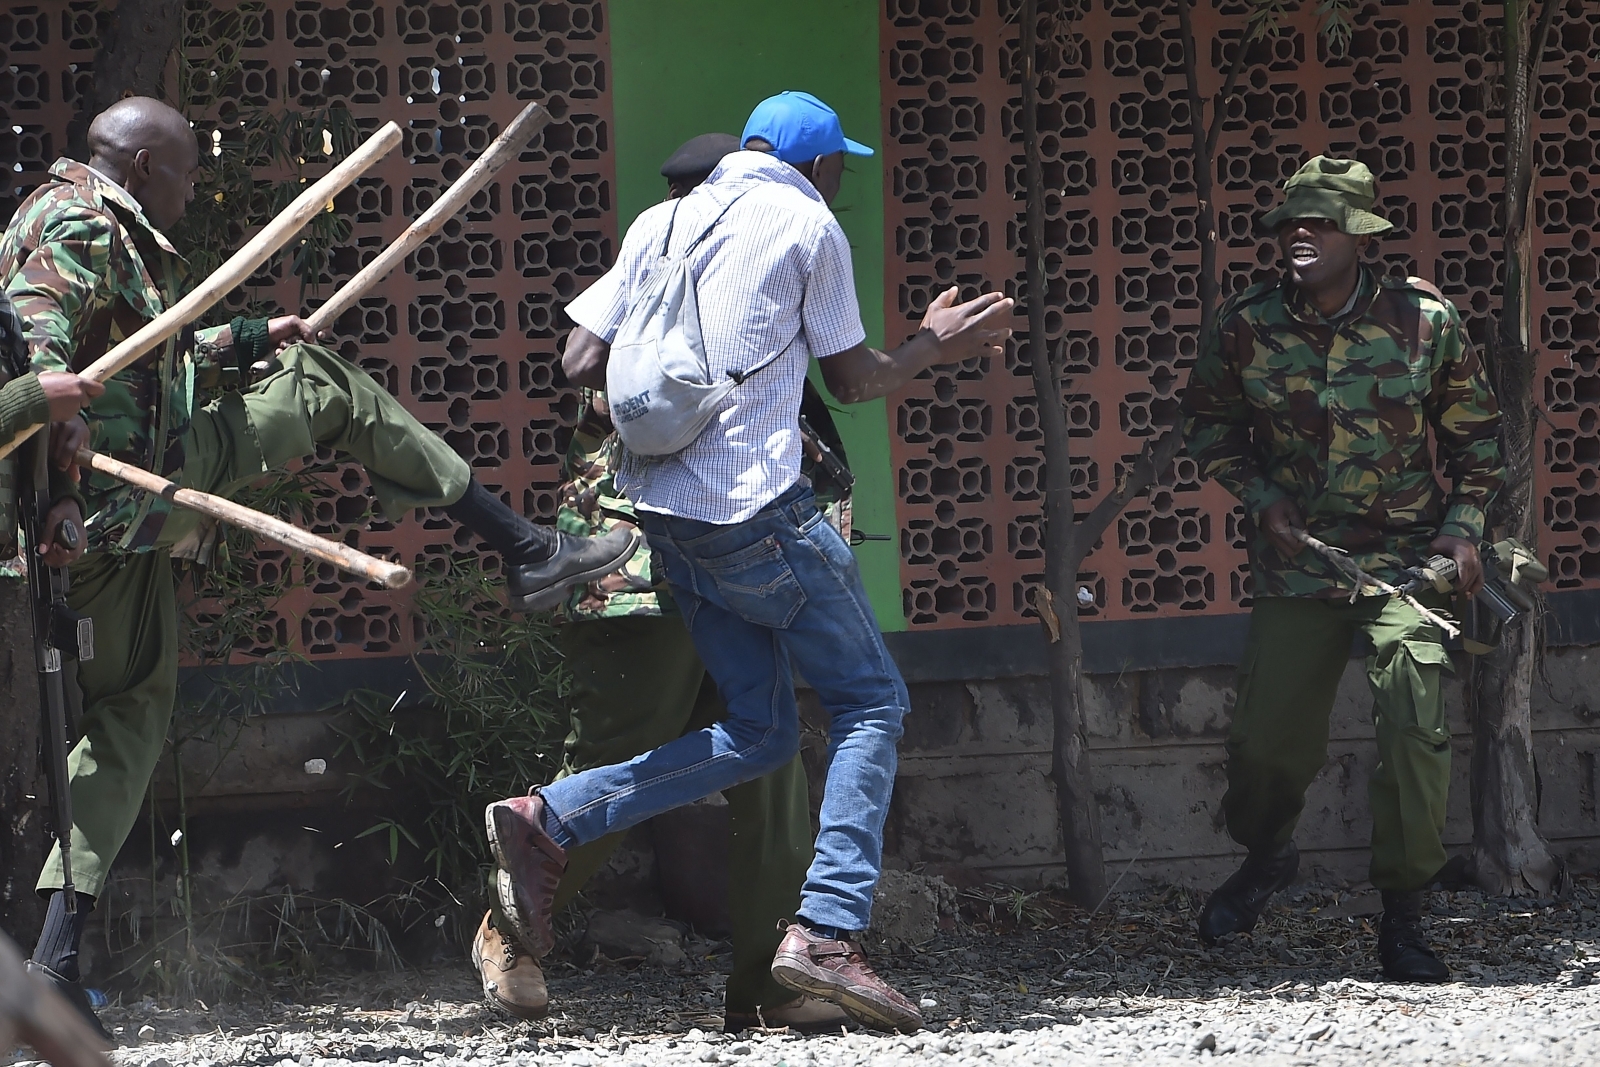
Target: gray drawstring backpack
[(657, 379)]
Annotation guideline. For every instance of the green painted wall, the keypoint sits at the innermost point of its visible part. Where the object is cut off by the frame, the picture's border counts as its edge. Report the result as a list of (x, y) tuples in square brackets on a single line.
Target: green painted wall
[(685, 67)]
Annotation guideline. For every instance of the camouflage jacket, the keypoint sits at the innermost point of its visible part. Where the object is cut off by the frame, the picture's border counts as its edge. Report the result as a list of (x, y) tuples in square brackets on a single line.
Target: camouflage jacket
[(1336, 416), (85, 268), (590, 504), (22, 404)]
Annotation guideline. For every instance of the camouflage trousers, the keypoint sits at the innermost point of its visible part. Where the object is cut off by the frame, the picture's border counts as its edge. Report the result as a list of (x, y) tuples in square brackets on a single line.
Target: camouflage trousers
[(1278, 742), (313, 397), (639, 684)]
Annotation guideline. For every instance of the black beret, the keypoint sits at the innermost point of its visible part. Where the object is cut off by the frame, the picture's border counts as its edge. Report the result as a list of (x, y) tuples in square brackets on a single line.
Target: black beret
[(699, 155)]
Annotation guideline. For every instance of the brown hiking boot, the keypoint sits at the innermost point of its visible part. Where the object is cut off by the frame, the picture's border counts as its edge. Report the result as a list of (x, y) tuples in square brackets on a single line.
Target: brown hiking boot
[(530, 866), (837, 971), (512, 980)]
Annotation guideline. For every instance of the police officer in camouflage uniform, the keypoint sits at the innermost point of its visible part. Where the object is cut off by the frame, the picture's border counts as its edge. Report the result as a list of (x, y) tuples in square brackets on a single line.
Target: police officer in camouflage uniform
[(85, 262), (637, 684), (1313, 403)]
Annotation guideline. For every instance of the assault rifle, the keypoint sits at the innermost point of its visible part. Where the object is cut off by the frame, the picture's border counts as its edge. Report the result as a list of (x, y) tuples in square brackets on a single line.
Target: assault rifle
[(56, 629), (1509, 569), (59, 633)]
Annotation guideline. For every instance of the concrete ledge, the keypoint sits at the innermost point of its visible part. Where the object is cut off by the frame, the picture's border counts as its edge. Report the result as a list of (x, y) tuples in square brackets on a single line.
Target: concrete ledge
[(300, 688), (969, 654), (978, 653)]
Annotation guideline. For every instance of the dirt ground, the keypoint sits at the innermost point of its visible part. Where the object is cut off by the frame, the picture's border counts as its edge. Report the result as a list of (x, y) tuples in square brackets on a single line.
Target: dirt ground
[(1036, 982)]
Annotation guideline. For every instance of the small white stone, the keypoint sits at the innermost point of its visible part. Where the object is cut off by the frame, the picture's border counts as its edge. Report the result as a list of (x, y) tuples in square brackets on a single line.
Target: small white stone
[(316, 766)]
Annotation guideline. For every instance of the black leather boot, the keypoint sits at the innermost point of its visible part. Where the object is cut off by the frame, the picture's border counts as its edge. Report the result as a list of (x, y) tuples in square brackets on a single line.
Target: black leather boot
[(544, 585), (1237, 904), (74, 994), (1402, 949)]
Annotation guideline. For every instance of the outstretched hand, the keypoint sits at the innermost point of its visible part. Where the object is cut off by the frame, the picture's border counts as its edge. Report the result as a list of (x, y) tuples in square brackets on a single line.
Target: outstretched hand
[(977, 328)]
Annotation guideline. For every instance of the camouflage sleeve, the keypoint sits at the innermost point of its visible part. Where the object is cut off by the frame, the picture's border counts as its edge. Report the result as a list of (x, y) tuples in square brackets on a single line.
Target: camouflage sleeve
[(1217, 421), (1466, 423), (56, 281), (214, 345)]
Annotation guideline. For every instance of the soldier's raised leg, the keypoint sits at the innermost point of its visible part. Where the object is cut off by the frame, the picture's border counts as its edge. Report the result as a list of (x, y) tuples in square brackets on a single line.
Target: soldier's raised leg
[(313, 396)]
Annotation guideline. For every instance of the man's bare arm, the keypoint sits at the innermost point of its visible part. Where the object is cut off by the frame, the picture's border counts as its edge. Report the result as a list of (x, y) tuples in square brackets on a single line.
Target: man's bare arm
[(950, 333), (585, 359)]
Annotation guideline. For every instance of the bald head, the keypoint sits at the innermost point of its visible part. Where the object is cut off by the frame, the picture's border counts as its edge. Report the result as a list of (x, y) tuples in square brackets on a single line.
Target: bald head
[(149, 149)]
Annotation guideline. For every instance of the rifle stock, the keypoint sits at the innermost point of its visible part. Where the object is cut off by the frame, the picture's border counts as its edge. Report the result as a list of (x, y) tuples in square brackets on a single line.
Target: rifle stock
[(58, 634)]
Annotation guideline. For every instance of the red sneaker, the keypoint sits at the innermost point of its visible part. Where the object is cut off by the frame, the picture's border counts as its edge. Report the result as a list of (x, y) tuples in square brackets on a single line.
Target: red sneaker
[(837, 971), (530, 868)]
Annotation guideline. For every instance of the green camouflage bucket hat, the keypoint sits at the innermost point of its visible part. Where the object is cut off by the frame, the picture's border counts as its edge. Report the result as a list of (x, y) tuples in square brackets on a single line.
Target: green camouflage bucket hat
[(1342, 190)]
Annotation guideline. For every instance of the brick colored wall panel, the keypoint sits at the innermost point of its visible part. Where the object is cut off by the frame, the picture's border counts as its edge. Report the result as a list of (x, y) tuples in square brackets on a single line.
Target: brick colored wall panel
[(1412, 98)]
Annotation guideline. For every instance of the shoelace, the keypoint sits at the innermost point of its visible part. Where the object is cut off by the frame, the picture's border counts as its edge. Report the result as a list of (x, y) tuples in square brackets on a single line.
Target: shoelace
[(1409, 935), (508, 953)]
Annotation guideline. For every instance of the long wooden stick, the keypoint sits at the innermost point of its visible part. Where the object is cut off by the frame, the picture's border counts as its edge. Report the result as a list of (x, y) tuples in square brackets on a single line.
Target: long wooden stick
[(387, 574), (505, 148), (1346, 566), (240, 265)]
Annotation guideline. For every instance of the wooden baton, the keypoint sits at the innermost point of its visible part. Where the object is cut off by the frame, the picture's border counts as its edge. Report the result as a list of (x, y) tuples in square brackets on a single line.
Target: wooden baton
[(239, 266), (373, 569), (505, 148)]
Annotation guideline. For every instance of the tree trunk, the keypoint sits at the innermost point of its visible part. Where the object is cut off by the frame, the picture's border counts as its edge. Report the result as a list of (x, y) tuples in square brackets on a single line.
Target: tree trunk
[(137, 40), (1058, 604), (1509, 856), (24, 807)]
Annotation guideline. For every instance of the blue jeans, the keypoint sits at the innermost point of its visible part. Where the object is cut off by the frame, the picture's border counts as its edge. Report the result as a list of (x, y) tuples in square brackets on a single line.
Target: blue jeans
[(782, 587)]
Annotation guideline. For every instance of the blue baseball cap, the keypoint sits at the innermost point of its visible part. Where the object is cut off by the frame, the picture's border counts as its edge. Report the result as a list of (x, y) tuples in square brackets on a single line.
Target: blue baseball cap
[(799, 127)]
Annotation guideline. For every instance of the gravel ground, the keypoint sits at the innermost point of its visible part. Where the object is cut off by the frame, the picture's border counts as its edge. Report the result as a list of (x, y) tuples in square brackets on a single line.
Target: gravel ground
[(1023, 979)]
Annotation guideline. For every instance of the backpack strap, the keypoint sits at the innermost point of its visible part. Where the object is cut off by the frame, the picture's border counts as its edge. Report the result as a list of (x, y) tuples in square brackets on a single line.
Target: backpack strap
[(672, 220), (739, 377), (707, 231)]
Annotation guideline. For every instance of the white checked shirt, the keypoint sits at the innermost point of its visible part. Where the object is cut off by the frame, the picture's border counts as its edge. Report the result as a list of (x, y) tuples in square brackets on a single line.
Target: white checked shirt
[(776, 267)]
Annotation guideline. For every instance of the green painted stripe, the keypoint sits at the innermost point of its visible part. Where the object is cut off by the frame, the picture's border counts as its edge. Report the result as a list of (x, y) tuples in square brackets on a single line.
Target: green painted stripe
[(680, 68)]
